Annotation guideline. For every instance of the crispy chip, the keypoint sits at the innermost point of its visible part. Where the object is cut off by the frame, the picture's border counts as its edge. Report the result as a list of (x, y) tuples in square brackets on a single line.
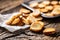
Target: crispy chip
[(48, 31), (46, 2), (34, 4), (36, 26), (15, 21), (54, 2), (26, 21)]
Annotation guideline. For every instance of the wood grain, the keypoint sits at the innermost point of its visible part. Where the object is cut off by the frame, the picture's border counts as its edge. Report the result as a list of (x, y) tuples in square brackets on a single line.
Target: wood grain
[(28, 35), (9, 4)]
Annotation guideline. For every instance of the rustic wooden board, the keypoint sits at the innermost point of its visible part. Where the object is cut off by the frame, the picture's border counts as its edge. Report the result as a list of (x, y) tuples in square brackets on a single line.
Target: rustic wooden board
[(6, 5), (27, 34)]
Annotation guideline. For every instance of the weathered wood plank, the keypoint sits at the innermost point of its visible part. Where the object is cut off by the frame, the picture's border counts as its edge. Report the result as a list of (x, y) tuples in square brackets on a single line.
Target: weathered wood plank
[(28, 35)]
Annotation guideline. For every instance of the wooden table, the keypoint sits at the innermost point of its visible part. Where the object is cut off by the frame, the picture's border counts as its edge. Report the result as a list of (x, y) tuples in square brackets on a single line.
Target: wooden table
[(27, 34)]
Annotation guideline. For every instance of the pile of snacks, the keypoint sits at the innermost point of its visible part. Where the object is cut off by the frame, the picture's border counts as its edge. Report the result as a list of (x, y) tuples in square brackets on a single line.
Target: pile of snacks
[(26, 17), (47, 7), (30, 18)]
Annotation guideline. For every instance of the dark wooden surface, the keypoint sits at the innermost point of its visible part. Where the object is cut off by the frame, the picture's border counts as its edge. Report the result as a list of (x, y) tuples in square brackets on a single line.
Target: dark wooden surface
[(6, 5), (27, 34)]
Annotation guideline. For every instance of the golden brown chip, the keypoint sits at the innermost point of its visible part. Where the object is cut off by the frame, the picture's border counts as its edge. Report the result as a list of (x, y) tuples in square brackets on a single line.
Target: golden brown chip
[(41, 5), (34, 4), (26, 21), (49, 31), (42, 23), (17, 20), (20, 23), (25, 15), (36, 13), (9, 21), (54, 2), (49, 14), (49, 7), (31, 18), (43, 10), (23, 10), (36, 26), (56, 11), (39, 18), (46, 2)]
